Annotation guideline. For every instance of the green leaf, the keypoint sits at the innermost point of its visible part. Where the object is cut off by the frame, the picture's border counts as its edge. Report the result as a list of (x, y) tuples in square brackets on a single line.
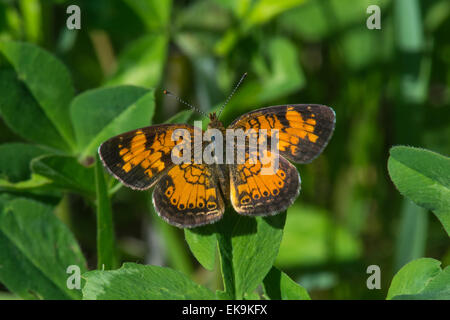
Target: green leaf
[(436, 15), (15, 160), (142, 63), (106, 248), (250, 15), (409, 30), (203, 242), (32, 16), (180, 117), (362, 48), (65, 172), (35, 251), (47, 79), (424, 177), (8, 296), (15, 168), (421, 279), (312, 22), (412, 236), (100, 114), (285, 75), (222, 295), (36, 182), (257, 12), (278, 286), (22, 113), (197, 37), (238, 7), (142, 282), (154, 13), (248, 247), (264, 10), (308, 21), (311, 238), (410, 40)]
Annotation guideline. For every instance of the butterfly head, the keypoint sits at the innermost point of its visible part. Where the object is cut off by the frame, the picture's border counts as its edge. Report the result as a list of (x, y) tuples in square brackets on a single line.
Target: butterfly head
[(214, 121), (213, 117)]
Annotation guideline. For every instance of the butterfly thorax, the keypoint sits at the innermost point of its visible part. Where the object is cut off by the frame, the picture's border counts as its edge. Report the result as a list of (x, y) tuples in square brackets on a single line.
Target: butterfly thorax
[(215, 123), (221, 170)]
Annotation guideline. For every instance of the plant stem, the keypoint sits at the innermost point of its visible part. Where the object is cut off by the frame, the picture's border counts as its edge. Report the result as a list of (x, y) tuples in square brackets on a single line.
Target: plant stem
[(106, 249), (226, 255)]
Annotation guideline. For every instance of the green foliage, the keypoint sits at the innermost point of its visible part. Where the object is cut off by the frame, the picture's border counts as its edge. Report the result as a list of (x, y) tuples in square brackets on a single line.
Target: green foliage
[(63, 92), (278, 286), (310, 227), (106, 255), (248, 248), (421, 279), (142, 62), (412, 235), (53, 94), (15, 161), (102, 113), (202, 242), (33, 124), (35, 250), (137, 282), (65, 172), (155, 14), (424, 177)]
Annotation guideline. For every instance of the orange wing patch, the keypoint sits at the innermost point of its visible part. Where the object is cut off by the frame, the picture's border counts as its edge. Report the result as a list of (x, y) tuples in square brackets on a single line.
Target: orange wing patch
[(300, 128), (303, 130), (265, 187), (191, 188), (139, 157), (148, 157), (188, 196)]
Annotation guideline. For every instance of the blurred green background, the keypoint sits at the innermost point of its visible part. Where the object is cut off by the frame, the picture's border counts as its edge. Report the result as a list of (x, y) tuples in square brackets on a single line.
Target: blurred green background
[(388, 86)]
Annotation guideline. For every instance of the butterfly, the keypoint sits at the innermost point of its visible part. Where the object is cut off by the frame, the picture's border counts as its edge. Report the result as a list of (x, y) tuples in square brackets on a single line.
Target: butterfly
[(192, 194)]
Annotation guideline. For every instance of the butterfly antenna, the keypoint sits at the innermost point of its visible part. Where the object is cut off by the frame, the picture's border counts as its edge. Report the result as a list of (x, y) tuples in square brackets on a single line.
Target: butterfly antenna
[(168, 93), (232, 92)]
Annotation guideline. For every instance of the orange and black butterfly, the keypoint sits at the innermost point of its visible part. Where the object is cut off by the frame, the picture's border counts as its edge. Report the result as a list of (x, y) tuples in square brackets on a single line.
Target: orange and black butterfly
[(193, 194)]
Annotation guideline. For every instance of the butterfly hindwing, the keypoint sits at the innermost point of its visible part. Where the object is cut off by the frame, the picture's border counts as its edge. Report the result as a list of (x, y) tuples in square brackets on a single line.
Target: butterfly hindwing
[(189, 196), (139, 157), (304, 129), (265, 186)]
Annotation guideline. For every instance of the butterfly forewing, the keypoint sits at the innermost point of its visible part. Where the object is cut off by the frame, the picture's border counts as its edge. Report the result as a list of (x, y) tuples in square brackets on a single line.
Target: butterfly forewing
[(303, 130), (138, 158)]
